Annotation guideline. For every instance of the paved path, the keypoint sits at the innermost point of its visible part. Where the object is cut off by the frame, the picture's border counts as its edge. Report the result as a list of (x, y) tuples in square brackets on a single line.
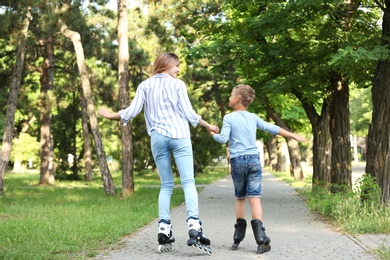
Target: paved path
[(295, 232)]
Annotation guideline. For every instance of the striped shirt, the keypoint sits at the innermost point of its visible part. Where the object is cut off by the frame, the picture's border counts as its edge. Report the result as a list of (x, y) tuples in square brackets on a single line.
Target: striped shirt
[(167, 107), (239, 128)]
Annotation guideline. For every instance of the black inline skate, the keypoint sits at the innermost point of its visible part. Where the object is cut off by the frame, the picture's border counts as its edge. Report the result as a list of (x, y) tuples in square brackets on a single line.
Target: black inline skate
[(262, 240), (197, 239), (239, 232), (164, 236)]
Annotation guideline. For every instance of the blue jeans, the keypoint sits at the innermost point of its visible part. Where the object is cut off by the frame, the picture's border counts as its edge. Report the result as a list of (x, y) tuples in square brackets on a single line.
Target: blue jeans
[(181, 149), (247, 175)]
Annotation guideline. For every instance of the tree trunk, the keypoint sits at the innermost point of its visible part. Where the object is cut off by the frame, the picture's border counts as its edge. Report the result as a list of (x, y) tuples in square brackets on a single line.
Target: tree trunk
[(51, 160), (281, 162), (322, 153), (292, 145), (272, 148), (86, 139), (123, 73), (12, 100), (341, 170), (47, 79), (108, 183), (378, 143), (266, 156)]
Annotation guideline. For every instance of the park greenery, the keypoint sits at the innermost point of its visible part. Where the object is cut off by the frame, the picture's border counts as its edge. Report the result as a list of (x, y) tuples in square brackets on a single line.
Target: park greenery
[(347, 212), (76, 220), (319, 68)]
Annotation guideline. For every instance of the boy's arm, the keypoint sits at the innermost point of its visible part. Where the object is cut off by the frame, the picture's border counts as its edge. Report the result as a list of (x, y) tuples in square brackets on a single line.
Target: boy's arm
[(212, 133), (288, 134)]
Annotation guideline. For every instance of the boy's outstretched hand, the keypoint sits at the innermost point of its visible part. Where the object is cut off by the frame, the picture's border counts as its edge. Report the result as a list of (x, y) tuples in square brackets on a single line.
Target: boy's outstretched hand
[(298, 137)]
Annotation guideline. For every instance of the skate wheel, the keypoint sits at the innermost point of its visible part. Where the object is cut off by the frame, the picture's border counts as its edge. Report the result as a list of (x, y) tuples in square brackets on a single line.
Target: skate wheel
[(201, 247), (164, 248), (263, 248), (208, 250)]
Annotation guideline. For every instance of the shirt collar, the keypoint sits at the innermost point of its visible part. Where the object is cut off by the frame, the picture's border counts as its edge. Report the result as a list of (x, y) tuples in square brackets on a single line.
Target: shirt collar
[(161, 75)]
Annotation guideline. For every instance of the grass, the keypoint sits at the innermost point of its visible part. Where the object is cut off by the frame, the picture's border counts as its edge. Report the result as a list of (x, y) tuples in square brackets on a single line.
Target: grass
[(75, 219), (347, 211)]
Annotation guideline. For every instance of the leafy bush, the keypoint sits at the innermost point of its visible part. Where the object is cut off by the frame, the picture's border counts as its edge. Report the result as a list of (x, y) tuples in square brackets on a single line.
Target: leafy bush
[(359, 211)]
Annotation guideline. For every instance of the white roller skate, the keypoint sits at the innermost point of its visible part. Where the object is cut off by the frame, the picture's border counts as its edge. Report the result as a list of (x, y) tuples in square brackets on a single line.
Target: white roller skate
[(197, 239), (165, 237)]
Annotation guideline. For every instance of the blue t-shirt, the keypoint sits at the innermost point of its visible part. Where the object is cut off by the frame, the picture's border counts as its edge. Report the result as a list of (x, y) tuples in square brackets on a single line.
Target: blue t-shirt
[(239, 128)]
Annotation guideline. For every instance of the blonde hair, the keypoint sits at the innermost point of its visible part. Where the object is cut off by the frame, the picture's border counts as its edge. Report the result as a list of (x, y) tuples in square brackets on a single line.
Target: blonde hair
[(164, 61), (246, 93)]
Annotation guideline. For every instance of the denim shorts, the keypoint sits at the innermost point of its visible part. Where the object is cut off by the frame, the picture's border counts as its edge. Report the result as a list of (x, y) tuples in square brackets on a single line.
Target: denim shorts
[(247, 175)]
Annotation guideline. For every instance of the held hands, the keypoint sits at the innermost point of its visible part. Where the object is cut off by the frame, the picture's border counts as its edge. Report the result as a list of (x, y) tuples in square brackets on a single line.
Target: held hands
[(213, 129)]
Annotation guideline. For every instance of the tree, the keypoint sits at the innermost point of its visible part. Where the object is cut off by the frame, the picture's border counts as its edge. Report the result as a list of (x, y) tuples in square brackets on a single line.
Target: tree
[(292, 145), (378, 144), (86, 139), (13, 98), (47, 79), (123, 74), (108, 184)]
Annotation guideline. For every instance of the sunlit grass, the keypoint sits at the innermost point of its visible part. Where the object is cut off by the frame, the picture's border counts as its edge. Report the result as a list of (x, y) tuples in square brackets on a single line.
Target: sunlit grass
[(383, 251), (75, 219)]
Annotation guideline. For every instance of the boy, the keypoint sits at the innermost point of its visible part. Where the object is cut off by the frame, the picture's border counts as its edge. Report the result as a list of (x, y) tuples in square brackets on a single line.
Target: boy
[(239, 127)]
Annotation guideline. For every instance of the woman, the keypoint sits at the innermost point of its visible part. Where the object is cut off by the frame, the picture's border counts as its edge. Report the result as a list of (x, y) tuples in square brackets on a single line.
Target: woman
[(168, 111)]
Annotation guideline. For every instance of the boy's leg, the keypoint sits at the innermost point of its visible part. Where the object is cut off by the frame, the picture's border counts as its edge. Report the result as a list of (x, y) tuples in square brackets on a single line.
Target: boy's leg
[(240, 207), (257, 209), (239, 175), (254, 192), (253, 184)]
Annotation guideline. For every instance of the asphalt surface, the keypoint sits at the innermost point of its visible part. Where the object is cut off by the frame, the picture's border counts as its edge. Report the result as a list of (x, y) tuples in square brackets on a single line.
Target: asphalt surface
[(295, 232)]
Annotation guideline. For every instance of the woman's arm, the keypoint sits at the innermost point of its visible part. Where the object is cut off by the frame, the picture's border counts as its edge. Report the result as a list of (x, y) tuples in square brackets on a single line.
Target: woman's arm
[(209, 127), (107, 114)]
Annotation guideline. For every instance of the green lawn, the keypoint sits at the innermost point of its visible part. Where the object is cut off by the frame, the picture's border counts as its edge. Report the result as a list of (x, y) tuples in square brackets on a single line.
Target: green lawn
[(75, 219)]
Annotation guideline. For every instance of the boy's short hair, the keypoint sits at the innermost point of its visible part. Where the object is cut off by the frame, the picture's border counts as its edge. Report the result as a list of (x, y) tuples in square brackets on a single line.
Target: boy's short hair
[(246, 93)]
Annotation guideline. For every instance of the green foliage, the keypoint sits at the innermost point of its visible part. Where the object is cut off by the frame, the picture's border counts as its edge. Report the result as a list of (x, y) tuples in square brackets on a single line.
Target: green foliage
[(25, 148), (357, 212), (369, 190), (383, 252), (361, 110)]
